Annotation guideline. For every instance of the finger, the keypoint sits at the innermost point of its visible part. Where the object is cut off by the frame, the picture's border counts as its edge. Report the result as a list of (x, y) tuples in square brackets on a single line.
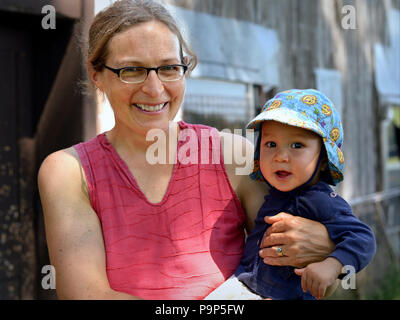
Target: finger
[(275, 239), (272, 252), (304, 282), (321, 291), (299, 272), (278, 261), (314, 288), (277, 217), (277, 227), (310, 287)]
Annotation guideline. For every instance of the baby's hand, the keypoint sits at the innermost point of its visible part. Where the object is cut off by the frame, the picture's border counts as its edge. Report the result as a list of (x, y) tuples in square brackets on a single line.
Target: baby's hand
[(317, 277)]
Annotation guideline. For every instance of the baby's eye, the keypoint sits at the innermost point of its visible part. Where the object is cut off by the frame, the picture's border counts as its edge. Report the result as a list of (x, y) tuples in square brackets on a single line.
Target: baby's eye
[(297, 145), (270, 144)]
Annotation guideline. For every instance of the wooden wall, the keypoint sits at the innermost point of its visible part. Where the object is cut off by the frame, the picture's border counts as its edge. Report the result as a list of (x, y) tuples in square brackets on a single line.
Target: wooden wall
[(311, 36), (42, 111)]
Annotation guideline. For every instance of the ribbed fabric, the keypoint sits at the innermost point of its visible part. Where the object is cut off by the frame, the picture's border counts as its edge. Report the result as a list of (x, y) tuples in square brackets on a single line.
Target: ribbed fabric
[(184, 246)]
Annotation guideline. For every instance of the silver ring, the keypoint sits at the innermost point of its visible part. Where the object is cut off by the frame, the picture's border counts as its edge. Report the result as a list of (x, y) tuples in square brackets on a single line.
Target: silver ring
[(279, 251)]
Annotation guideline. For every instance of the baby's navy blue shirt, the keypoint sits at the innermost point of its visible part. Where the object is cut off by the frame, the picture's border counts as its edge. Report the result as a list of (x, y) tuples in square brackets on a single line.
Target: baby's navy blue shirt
[(355, 241)]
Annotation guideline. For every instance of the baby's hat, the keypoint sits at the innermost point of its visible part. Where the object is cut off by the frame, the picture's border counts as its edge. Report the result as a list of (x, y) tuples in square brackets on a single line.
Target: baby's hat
[(308, 109)]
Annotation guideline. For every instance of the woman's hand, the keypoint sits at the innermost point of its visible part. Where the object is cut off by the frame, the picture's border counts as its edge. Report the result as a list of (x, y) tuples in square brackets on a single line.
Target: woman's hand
[(302, 241)]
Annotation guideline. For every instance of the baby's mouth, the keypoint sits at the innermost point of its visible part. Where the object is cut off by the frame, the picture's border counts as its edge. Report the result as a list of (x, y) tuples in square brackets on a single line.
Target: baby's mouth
[(282, 174)]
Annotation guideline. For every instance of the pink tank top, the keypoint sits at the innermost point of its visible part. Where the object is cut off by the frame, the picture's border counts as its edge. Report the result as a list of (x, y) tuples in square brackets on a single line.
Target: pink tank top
[(184, 246)]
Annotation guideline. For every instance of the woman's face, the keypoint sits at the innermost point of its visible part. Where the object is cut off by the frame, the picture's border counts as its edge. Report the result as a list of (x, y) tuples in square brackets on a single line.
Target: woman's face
[(149, 44)]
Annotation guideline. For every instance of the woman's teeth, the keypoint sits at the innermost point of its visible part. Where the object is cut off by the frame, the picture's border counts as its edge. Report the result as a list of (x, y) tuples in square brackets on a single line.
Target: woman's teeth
[(150, 108)]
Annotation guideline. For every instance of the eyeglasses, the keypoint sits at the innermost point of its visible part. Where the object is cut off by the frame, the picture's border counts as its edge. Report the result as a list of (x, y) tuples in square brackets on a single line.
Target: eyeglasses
[(172, 72)]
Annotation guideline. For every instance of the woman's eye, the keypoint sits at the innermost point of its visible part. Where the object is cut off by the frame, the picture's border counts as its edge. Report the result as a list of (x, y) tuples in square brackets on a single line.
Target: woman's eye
[(169, 68), (297, 145), (132, 69), (270, 144)]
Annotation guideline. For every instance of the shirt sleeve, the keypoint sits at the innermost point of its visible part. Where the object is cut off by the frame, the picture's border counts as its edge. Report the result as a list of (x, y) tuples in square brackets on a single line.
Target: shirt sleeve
[(355, 241)]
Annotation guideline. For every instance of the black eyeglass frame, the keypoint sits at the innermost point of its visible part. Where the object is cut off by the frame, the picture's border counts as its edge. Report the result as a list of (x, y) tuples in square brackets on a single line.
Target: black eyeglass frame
[(118, 71)]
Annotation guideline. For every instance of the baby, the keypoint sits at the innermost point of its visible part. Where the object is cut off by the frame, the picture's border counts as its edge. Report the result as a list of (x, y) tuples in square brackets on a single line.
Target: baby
[(298, 153)]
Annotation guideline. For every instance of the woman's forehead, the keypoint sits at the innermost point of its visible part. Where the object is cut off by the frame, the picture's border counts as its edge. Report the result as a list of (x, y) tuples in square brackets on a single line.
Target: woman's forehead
[(147, 41)]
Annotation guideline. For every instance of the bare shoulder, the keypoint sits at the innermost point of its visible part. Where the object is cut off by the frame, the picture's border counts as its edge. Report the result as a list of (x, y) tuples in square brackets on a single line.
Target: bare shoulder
[(63, 188), (238, 156), (61, 164), (251, 194)]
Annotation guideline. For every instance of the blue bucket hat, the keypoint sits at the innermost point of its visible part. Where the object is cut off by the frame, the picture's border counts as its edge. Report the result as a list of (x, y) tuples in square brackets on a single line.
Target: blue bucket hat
[(308, 109)]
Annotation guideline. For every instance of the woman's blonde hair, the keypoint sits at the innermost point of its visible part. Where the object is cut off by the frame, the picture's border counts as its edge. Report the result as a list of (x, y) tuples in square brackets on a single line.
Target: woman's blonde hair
[(122, 15)]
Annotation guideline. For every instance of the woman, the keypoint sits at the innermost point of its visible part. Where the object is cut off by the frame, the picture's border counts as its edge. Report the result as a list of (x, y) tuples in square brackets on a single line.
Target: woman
[(119, 227)]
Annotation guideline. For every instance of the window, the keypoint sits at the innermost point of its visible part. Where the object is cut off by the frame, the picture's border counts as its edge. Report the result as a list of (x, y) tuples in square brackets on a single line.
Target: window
[(220, 104), (392, 147), (394, 135)]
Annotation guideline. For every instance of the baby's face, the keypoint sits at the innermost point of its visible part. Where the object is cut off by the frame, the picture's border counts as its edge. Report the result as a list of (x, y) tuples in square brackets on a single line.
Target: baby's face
[(288, 155)]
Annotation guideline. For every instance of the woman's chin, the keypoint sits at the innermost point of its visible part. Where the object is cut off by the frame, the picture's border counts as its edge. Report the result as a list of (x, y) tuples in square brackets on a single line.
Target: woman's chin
[(162, 123)]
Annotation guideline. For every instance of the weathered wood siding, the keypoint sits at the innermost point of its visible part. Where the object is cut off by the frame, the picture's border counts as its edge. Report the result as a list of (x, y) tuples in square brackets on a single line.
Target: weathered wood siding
[(311, 36)]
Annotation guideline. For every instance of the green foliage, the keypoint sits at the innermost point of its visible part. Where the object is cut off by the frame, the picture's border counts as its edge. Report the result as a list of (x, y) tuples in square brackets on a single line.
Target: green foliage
[(389, 288)]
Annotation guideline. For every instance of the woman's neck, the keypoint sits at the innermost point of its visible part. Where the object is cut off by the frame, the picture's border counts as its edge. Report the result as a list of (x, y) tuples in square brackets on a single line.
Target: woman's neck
[(128, 141)]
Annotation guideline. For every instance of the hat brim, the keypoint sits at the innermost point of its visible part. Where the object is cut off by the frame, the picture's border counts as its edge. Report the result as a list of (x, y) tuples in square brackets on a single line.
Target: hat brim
[(285, 116)]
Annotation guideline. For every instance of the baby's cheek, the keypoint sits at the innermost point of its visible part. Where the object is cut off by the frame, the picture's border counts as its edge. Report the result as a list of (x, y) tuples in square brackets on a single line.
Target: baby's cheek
[(264, 169)]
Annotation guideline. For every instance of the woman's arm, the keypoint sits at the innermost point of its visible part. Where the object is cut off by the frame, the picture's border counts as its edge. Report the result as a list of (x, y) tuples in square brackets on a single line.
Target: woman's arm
[(73, 230), (303, 241), (239, 153)]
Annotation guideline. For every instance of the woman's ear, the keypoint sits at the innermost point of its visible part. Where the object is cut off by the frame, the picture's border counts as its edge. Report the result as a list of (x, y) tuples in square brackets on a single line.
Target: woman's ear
[(94, 76), (185, 60)]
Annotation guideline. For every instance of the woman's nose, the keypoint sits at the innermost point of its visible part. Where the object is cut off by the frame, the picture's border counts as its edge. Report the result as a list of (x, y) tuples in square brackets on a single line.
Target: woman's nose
[(153, 86)]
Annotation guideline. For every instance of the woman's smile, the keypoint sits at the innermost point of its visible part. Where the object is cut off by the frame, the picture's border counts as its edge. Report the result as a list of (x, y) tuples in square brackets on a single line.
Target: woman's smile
[(151, 108)]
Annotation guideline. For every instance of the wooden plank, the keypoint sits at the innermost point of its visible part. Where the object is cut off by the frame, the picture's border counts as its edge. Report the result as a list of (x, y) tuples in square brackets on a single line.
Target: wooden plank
[(17, 245), (376, 197), (9, 202)]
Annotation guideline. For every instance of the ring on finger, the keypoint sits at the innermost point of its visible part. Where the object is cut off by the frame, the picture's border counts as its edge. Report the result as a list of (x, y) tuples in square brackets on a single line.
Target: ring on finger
[(279, 251)]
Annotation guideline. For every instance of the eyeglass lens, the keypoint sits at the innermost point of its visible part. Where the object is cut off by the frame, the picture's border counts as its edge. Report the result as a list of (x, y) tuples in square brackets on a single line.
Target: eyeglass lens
[(165, 73)]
